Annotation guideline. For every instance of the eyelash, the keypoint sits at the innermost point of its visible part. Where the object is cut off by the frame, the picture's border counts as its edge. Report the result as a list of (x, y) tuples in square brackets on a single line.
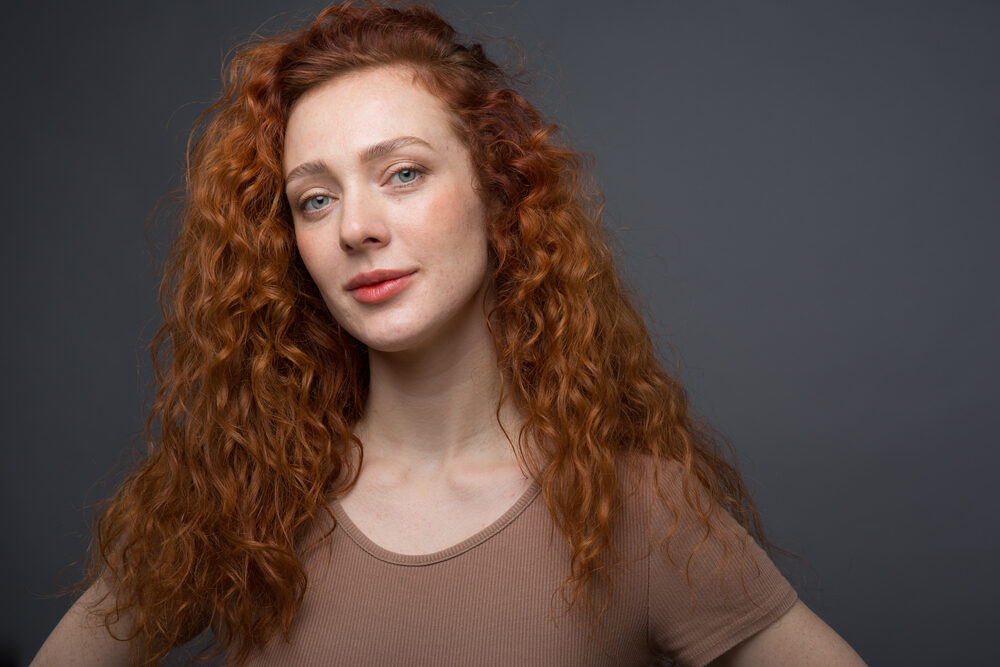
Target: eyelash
[(408, 167), (420, 173)]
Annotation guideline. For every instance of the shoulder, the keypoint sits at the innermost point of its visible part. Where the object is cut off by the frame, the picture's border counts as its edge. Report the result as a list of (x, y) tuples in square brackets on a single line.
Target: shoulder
[(675, 505), (710, 584), (665, 494)]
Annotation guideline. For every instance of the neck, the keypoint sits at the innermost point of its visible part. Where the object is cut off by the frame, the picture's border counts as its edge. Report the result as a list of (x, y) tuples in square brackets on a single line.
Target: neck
[(437, 407)]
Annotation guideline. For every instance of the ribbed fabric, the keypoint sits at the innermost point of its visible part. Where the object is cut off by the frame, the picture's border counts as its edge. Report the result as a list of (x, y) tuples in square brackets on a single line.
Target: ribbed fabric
[(492, 599)]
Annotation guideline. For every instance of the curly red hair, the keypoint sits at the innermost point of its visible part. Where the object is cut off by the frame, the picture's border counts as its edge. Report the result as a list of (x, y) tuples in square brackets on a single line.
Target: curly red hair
[(258, 386)]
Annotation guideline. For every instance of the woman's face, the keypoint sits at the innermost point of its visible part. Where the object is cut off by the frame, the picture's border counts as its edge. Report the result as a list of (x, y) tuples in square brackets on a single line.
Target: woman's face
[(377, 180)]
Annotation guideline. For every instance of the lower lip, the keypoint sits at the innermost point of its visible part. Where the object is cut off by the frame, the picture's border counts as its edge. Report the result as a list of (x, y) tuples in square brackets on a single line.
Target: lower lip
[(381, 291)]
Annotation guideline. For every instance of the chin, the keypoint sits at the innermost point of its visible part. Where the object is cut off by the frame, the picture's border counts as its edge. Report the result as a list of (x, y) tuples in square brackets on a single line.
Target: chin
[(389, 347), (410, 338), (396, 342)]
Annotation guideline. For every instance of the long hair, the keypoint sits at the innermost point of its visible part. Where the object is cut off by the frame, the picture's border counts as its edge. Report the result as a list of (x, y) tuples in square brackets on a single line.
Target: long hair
[(258, 387)]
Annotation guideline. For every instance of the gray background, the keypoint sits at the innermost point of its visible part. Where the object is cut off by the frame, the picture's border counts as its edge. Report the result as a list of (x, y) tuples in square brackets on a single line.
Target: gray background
[(805, 196)]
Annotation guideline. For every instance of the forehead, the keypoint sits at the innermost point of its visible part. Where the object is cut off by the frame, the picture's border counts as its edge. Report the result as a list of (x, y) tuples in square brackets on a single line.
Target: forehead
[(339, 118)]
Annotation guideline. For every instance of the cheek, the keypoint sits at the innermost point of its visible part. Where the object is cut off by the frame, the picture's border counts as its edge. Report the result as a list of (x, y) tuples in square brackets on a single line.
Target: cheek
[(304, 253), (309, 251), (459, 219)]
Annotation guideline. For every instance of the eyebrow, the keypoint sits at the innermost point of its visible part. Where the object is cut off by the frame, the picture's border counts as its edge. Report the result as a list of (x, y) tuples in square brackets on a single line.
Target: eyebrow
[(373, 152)]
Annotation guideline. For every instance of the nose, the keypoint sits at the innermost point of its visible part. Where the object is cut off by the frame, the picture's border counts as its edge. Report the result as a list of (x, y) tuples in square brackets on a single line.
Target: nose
[(363, 222)]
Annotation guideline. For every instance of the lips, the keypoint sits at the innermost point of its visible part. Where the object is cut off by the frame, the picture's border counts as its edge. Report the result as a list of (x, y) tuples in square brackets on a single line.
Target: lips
[(375, 277), (382, 291)]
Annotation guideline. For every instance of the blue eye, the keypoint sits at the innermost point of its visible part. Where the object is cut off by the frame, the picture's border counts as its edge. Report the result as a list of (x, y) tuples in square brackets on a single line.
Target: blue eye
[(407, 174), (316, 203)]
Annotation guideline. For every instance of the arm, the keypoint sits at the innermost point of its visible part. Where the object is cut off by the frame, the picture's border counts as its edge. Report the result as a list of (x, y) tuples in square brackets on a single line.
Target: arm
[(80, 639), (798, 638)]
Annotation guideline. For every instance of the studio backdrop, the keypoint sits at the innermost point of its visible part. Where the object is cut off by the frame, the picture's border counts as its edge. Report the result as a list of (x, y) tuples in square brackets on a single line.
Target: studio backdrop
[(805, 198)]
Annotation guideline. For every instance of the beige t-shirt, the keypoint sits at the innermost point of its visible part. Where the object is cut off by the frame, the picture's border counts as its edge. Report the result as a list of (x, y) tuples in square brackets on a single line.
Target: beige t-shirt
[(492, 599)]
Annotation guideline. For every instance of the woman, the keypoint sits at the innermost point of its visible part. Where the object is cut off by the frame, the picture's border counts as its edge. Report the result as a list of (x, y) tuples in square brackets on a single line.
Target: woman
[(408, 412)]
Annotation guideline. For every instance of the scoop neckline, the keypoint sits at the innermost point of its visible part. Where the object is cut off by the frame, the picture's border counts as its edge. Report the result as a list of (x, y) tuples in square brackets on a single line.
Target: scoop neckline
[(383, 554)]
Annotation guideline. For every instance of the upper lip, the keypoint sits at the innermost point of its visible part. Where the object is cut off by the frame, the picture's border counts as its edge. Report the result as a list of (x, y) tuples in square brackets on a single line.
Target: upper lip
[(376, 276)]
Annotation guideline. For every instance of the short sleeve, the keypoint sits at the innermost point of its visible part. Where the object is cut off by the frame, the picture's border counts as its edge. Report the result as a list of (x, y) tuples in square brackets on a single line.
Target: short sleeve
[(735, 590)]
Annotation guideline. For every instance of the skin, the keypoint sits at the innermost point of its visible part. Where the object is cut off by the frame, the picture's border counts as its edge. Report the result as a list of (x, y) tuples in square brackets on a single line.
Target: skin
[(353, 215), (437, 465)]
